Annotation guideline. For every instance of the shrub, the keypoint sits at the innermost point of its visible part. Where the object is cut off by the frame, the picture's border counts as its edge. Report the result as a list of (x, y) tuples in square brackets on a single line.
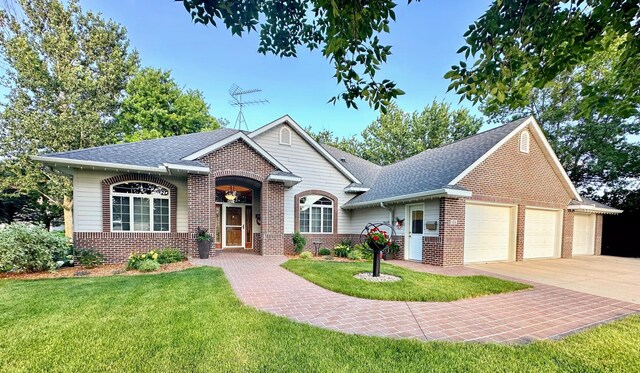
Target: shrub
[(25, 248), (364, 250), (346, 242), (306, 255), (89, 258), (148, 265), (324, 251), (299, 242), (355, 255), (169, 256), (136, 259), (341, 250)]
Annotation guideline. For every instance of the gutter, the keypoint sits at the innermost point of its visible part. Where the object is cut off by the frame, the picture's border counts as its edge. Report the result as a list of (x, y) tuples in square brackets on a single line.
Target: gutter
[(592, 208), (443, 192)]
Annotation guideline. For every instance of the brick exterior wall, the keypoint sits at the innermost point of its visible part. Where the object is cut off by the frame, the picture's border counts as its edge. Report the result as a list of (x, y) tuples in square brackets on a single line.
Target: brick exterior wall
[(598, 239), (447, 250), (239, 159), (520, 233), (116, 246), (567, 234)]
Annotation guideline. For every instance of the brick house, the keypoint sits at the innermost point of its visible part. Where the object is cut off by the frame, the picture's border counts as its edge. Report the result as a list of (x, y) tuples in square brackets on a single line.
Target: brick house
[(500, 195)]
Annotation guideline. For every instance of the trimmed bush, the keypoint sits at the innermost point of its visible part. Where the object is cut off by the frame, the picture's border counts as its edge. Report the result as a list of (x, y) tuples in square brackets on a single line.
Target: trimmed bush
[(148, 265), (89, 258), (341, 250), (26, 248), (355, 255), (324, 251), (136, 259), (364, 249), (169, 255), (306, 255), (299, 242)]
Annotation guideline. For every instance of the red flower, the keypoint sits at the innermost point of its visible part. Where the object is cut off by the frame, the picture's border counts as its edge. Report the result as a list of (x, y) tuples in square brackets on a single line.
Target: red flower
[(375, 238)]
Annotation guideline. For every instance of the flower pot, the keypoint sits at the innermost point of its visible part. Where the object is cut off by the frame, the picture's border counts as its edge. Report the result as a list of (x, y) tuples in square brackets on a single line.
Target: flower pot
[(376, 247), (203, 249)]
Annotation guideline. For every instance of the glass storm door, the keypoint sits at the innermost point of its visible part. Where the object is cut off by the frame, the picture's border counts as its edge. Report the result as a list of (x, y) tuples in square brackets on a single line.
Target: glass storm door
[(415, 232), (234, 226)]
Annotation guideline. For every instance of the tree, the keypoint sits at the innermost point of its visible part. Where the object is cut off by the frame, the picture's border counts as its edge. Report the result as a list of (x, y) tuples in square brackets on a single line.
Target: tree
[(66, 73), (518, 46), (398, 135), (595, 148), (155, 106)]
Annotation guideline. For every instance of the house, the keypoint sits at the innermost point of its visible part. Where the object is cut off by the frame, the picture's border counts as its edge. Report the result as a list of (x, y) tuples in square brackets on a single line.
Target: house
[(500, 195)]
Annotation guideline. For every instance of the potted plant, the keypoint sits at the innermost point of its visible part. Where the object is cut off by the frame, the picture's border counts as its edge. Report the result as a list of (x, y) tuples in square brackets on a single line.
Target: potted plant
[(377, 240), (392, 250), (204, 242)]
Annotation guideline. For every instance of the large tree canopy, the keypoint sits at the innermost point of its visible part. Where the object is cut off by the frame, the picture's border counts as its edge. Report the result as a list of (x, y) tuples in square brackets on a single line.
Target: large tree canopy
[(155, 106), (517, 46), (398, 135), (65, 71)]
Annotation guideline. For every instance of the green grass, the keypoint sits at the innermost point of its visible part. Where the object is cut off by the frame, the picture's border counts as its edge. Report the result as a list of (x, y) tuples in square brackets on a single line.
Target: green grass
[(192, 321), (414, 286)]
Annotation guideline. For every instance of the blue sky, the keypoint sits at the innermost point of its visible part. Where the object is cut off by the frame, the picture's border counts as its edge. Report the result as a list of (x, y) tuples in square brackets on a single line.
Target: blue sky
[(424, 38)]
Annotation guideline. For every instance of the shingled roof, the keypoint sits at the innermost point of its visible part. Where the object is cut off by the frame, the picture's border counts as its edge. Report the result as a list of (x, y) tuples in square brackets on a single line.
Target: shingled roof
[(430, 170), (364, 170)]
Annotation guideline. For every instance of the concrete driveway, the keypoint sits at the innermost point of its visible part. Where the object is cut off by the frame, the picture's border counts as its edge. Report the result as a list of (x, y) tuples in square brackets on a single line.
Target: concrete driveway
[(608, 276)]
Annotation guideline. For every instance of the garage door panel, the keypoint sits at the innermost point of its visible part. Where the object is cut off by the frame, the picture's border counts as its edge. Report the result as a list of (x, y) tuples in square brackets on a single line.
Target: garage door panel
[(487, 233), (583, 234), (541, 232)]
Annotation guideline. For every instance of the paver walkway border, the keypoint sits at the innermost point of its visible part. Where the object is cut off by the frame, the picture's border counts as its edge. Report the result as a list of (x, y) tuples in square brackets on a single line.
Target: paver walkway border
[(544, 312)]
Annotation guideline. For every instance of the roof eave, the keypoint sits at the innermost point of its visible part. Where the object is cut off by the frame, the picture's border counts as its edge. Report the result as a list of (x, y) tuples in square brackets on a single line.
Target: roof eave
[(288, 181), (429, 194), (594, 209), (96, 165)]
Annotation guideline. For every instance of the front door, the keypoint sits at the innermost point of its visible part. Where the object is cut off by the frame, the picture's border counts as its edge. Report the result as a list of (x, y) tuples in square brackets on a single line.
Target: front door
[(416, 225), (234, 226)]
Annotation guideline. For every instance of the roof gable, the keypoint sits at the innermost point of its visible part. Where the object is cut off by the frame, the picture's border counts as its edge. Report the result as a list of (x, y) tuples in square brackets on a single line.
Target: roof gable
[(314, 144)]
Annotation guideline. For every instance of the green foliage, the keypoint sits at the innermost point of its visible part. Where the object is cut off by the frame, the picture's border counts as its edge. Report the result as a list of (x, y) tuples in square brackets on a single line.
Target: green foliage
[(306, 255), (135, 260), (364, 249), (89, 258), (155, 106), (29, 207), (599, 152), (168, 255), (398, 135), (517, 46), (355, 254), (25, 248), (148, 265), (202, 234), (341, 250), (324, 251), (65, 73), (347, 32), (299, 242)]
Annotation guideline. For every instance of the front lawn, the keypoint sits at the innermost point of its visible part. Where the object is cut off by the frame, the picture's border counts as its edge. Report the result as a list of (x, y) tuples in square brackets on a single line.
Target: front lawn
[(414, 286), (191, 321)]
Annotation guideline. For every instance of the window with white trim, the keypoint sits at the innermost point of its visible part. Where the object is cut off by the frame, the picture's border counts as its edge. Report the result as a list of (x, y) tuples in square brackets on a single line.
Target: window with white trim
[(316, 214), (139, 207), (524, 142), (285, 136)]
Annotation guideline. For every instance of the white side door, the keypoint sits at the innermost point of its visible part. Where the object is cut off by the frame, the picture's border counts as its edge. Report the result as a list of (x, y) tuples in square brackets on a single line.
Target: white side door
[(416, 227)]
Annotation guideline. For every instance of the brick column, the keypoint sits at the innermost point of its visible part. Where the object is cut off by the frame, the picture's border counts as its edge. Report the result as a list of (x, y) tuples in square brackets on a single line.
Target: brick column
[(450, 251), (520, 233), (272, 215), (598, 239), (198, 190), (567, 234)]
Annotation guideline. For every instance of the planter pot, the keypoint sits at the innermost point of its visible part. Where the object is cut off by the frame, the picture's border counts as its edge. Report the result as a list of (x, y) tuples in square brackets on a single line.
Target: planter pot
[(376, 247), (203, 249)]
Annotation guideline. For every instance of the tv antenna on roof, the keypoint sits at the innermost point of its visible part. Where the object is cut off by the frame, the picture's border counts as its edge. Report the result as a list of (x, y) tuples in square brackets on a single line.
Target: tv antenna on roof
[(237, 101)]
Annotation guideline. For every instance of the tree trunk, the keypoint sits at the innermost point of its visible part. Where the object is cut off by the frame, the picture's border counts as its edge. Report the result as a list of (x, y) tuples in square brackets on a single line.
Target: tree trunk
[(67, 205)]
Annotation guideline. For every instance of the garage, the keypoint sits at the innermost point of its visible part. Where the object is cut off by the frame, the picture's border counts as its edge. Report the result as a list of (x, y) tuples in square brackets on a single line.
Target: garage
[(542, 229), (584, 232), (489, 233)]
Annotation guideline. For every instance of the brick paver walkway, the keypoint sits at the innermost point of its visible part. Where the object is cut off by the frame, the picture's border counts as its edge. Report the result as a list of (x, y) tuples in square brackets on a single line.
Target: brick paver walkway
[(539, 313)]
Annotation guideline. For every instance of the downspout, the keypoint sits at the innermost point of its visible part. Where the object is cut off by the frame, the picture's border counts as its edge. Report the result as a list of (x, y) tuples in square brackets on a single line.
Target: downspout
[(391, 210)]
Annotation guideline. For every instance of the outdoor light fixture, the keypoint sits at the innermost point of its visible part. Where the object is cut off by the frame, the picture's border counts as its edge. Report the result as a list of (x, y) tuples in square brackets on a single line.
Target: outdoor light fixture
[(231, 196)]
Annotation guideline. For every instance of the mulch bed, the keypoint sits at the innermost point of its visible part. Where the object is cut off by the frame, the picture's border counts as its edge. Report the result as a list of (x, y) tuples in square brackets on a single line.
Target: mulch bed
[(103, 270)]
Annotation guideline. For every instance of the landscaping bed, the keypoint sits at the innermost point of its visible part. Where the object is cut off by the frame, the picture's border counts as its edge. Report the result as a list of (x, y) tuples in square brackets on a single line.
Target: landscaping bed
[(103, 270), (414, 286), (191, 321)]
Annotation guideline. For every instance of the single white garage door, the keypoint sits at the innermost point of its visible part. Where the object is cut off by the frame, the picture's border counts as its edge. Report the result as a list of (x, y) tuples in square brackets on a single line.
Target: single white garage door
[(584, 234), (487, 233), (541, 234)]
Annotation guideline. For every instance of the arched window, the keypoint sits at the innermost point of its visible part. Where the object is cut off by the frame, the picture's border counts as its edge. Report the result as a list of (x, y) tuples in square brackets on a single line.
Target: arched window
[(316, 214), (285, 136), (524, 142), (139, 207)]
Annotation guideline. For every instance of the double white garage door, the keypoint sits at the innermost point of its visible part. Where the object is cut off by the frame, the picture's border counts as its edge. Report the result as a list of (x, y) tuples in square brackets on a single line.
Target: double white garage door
[(490, 233)]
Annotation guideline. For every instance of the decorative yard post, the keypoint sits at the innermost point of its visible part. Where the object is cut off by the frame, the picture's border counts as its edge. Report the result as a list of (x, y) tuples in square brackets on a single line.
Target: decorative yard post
[(377, 240)]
